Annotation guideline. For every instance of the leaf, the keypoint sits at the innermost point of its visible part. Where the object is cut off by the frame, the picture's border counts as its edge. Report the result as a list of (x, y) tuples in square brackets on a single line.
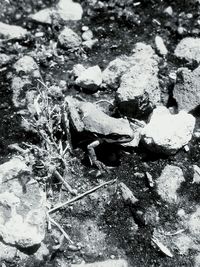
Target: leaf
[(162, 247)]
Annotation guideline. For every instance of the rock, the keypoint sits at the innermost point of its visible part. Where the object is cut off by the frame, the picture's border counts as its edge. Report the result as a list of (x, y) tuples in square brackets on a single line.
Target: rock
[(184, 243), (194, 224), (26, 71), (78, 69), (115, 69), (85, 28), (68, 39), (189, 49), (166, 132), (169, 11), (28, 66), (160, 46), (196, 176), (12, 32), (69, 10), (44, 16), (197, 261), (127, 194), (90, 43), (186, 91), (22, 206), (5, 59), (8, 253), (18, 86), (90, 78), (181, 30), (65, 10), (87, 35), (169, 182), (107, 263), (139, 88)]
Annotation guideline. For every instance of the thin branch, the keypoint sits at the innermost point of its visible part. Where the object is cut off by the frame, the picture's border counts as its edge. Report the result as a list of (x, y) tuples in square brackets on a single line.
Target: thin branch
[(80, 196), (61, 229), (65, 184)]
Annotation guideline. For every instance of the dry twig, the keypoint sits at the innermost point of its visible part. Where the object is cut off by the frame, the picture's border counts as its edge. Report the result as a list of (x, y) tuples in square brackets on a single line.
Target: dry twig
[(80, 196)]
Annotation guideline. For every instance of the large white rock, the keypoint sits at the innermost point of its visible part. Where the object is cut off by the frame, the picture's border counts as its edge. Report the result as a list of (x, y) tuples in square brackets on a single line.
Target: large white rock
[(186, 91), (139, 88), (65, 10), (22, 206), (166, 132), (90, 78), (169, 182), (28, 66), (68, 39), (12, 31), (189, 49), (69, 10)]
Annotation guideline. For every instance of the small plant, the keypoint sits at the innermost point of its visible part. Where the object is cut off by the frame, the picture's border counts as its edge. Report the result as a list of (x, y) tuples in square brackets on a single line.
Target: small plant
[(49, 121)]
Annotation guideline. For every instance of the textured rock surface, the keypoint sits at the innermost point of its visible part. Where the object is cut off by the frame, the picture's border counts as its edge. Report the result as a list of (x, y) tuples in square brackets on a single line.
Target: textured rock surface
[(68, 39), (90, 78), (194, 223), (65, 10), (189, 49), (186, 91), (22, 206), (115, 69), (169, 182), (196, 176), (26, 71), (166, 132), (5, 59), (28, 66), (108, 263), (11, 31), (139, 86), (160, 46)]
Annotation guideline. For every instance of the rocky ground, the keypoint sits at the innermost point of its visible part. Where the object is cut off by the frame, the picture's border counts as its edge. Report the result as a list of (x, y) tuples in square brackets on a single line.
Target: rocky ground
[(99, 133)]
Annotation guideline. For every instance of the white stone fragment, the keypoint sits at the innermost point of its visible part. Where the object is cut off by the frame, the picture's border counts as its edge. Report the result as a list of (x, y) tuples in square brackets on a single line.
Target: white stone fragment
[(160, 46), (22, 205), (189, 49), (169, 11), (65, 9), (12, 31), (186, 90), (196, 176), (28, 66), (166, 132), (107, 263), (169, 182), (69, 39), (90, 78)]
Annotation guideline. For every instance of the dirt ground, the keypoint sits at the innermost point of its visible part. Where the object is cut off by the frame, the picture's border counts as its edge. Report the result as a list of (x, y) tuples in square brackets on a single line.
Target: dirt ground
[(101, 225)]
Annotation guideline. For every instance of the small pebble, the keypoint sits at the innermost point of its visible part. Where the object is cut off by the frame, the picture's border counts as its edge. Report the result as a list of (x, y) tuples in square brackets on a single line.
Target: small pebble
[(189, 16), (197, 134), (39, 34), (181, 30), (85, 28), (169, 11), (87, 35), (181, 212)]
